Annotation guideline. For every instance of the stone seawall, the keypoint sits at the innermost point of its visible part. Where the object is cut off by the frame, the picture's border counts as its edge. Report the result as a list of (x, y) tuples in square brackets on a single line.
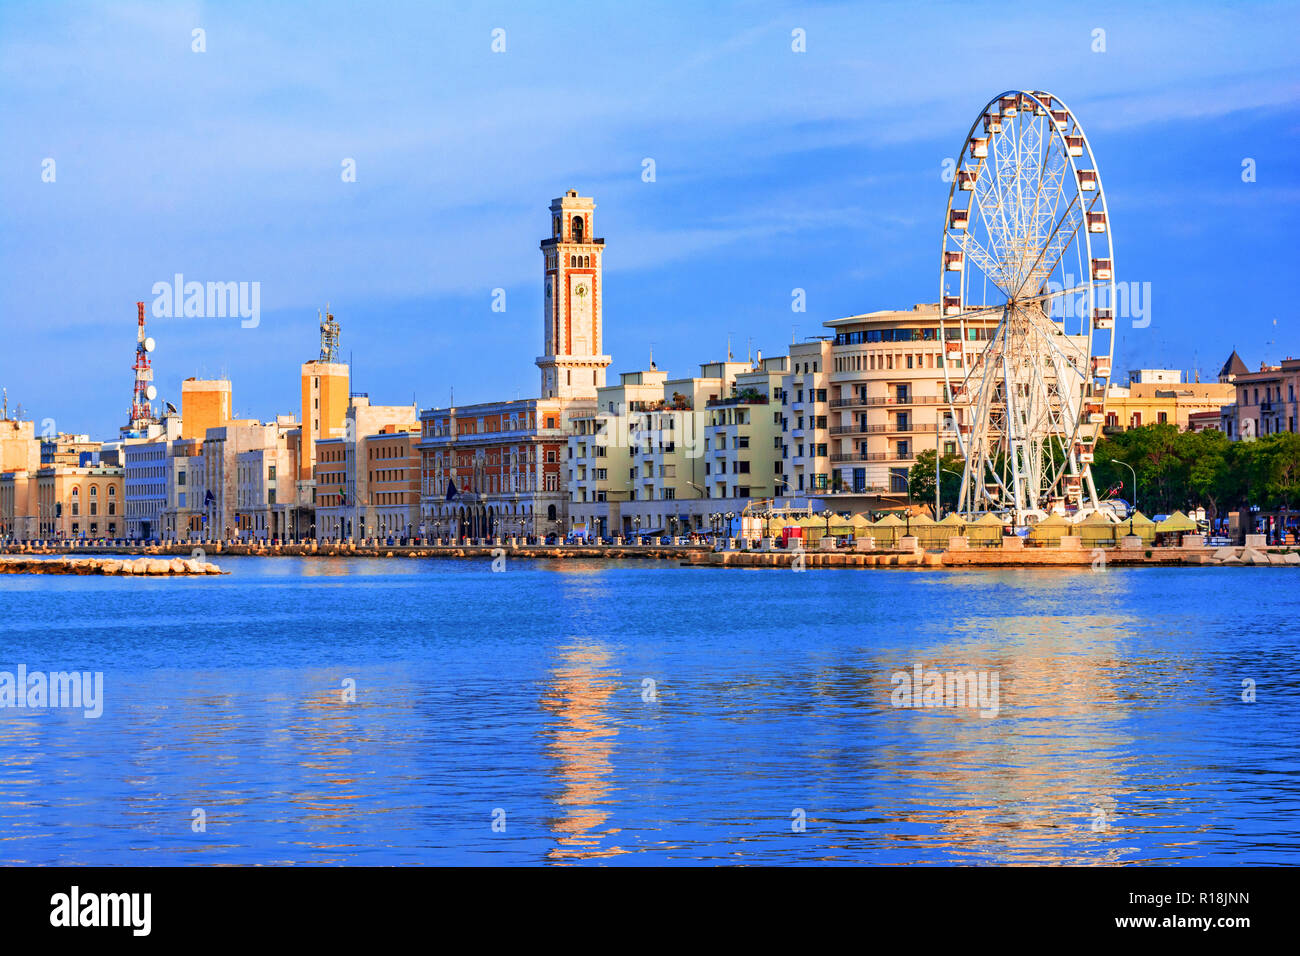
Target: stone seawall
[(1000, 558), (144, 567), (689, 555), (311, 550)]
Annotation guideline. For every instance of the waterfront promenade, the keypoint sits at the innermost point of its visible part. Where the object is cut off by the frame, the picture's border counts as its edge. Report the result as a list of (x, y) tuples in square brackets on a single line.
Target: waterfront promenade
[(738, 553)]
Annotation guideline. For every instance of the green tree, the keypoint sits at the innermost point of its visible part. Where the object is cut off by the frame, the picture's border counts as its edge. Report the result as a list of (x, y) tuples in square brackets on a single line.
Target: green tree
[(921, 480), (1212, 482)]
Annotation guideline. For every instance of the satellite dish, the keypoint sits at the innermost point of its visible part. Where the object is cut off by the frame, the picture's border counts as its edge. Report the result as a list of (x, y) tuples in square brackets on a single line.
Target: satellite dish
[(151, 393), (149, 344)]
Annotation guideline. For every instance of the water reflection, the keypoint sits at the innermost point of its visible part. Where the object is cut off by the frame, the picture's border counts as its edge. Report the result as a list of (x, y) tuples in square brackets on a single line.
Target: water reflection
[(1040, 783), (580, 741)]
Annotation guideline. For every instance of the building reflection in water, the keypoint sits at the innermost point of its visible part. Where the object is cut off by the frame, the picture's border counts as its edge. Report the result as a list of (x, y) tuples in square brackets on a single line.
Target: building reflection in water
[(580, 739)]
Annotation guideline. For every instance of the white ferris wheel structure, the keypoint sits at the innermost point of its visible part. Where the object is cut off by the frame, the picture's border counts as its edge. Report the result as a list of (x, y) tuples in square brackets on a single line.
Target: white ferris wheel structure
[(1027, 300)]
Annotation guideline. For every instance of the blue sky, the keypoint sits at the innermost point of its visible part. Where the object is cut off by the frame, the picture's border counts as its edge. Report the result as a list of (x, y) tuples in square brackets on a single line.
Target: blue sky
[(775, 170)]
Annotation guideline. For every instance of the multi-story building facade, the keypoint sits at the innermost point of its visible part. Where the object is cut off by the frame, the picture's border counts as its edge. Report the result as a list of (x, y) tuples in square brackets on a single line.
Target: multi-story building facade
[(806, 419), (887, 401), (744, 445), (599, 453), (79, 501), (266, 482), (1264, 402), (393, 482), (182, 517), (496, 468), (20, 458), (1160, 396), (667, 456), (145, 487), (347, 496)]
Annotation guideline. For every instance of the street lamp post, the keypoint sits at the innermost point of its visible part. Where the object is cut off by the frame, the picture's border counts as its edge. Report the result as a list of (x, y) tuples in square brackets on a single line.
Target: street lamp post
[(946, 472), (1133, 507)]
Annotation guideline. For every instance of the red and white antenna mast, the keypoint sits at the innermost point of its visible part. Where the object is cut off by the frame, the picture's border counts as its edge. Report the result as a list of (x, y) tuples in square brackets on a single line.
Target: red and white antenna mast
[(141, 410)]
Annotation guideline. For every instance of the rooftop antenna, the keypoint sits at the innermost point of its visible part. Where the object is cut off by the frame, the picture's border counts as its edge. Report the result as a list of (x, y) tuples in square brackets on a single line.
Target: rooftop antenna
[(652, 356), (329, 335), (144, 392), (6, 405), (728, 346)]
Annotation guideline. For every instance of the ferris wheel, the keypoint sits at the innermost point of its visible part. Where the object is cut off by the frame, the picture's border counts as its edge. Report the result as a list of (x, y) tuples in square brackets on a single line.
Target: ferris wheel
[(1027, 299)]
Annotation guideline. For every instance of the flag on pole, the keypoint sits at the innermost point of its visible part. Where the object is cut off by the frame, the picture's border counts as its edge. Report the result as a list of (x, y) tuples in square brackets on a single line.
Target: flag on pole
[(451, 490)]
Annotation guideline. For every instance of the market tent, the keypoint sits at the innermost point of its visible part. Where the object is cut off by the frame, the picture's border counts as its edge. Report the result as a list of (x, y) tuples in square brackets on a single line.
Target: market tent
[(1048, 532), (1177, 523), (854, 524), (887, 531), (1143, 527), (929, 534), (952, 526), (1096, 531), (985, 531)]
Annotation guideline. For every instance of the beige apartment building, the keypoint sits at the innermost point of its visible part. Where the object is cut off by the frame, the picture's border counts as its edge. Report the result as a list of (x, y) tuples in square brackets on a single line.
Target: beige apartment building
[(182, 513), (20, 458), (347, 473), (599, 453), (1264, 402), (667, 456), (743, 447), (1160, 396), (888, 400), (57, 497), (79, 502), (265, 483)]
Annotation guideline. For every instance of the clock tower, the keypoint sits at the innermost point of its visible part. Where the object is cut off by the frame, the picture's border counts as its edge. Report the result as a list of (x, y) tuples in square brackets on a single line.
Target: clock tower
[(572, 361)]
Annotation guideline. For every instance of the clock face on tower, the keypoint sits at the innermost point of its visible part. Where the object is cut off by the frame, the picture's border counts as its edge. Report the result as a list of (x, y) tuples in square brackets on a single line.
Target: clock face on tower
[(580, 311)]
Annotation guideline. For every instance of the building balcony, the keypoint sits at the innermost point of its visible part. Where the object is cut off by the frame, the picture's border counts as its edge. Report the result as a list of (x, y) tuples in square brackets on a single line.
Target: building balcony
[(875, 400), (857, 456), (883, 429)]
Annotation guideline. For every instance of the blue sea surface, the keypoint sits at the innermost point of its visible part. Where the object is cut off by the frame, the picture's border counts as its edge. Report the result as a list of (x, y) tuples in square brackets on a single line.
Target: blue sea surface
[(645, 713)]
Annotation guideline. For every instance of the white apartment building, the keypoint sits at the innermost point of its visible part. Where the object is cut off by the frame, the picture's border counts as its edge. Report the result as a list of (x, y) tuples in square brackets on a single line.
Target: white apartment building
[(145, 488), (805, 406)]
